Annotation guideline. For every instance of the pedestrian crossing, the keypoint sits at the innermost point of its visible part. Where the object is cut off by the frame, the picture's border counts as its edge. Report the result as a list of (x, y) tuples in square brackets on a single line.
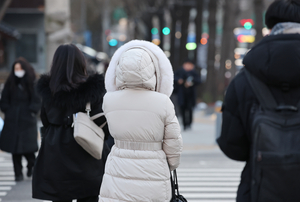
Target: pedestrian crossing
[(203, 184), (6, 174), (209, 184)]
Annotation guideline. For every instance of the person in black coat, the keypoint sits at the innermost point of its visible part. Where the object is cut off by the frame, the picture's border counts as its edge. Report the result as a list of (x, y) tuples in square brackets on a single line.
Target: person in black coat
[(20, 104), (186, 79), (275, 61), (63, 169)]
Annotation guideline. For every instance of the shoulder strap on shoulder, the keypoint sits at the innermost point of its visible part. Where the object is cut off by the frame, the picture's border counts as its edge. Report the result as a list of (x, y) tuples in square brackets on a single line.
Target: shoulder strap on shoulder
[(262, 92), (88, 108)]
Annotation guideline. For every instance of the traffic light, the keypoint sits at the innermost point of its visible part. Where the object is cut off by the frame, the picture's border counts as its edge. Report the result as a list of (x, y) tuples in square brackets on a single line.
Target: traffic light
[(154, 31), (247, 23), (191, 46), (113, 42), (166, 31)]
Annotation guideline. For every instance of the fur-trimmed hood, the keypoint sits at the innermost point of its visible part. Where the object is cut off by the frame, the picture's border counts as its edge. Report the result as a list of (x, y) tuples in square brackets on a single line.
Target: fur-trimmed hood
[(91, 91), (120, 75)]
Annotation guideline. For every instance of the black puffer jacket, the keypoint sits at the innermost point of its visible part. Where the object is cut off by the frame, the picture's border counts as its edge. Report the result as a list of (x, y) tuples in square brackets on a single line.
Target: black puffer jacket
[(275, 61), (63, 169)]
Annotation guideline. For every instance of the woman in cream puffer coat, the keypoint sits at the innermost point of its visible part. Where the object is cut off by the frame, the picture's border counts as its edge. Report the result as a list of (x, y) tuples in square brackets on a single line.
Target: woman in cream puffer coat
[(142, 120)]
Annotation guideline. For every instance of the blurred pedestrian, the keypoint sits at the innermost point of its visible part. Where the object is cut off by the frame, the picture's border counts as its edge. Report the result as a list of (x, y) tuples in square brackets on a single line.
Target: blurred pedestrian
[(186, 80), (142, 120), (64, 170), (271, 174), (20, 104)]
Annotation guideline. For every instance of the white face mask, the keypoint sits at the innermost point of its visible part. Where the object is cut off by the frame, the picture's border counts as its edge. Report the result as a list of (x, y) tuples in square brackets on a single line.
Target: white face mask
[(20, 73)]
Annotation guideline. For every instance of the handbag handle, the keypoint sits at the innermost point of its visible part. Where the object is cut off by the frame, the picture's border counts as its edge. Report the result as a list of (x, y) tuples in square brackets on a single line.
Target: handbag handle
[(174, 183), (88, 109)]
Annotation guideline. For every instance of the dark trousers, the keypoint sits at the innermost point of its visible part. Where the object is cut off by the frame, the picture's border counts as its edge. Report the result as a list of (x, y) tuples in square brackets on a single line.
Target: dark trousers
[(17, 161), (187, 116), (88, 199)]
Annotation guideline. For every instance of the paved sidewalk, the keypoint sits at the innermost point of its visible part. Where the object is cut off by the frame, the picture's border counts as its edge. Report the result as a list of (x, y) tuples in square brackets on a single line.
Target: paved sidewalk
[(202, 134)]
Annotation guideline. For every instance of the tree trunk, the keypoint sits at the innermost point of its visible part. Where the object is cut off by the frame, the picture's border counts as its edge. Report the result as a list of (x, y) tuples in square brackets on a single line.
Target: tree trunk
[(3, 8), (173, 31), (210, 93), (259, 24), (228, 42), (184, 33), (198, 22), (161, 26)]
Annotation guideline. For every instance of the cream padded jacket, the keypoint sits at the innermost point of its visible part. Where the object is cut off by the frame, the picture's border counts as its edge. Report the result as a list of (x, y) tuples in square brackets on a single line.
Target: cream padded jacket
[(146, 131)]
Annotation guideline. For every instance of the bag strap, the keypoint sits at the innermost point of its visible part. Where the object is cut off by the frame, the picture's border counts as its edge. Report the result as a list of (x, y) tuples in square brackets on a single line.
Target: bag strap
[(88, 109), (97, 116), (174, 183), (262, 92), (173, 187)]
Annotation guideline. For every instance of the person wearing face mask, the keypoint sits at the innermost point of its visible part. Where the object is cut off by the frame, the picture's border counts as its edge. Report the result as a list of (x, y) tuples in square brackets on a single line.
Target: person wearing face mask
[(20, 104)]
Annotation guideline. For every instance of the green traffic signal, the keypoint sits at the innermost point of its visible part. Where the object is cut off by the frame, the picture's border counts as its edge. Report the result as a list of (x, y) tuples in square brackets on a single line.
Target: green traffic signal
[(154, 31), (248, 25), (166, 31), (191, 46)]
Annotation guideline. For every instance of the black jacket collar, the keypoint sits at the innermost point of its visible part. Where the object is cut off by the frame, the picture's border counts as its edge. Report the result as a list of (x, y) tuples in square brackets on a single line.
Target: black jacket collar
[(91, 91)]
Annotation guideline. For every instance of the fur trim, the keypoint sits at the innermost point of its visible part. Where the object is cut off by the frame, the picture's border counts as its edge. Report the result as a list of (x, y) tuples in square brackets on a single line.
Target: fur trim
[(90, 91), (166, 70)]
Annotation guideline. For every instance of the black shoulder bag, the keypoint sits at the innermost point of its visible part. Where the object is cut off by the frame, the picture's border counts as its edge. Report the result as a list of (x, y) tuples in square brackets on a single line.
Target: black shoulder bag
[(176, 197)]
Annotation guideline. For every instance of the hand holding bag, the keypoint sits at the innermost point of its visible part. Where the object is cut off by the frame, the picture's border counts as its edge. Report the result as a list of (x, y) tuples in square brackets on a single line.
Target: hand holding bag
[(176, 197), (87, 134)]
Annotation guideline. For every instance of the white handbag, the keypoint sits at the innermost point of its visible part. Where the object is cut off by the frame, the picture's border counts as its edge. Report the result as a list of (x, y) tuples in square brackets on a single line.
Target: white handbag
[(87, 134)]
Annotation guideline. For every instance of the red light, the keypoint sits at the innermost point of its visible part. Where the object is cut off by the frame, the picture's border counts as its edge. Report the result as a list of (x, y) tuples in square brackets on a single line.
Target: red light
[(107, 32), (205, 35), (203, 41), (243, 21)]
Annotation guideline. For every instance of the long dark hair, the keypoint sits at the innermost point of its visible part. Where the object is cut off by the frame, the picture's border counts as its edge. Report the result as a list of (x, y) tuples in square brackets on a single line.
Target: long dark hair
[(68, 69), (27, 81)]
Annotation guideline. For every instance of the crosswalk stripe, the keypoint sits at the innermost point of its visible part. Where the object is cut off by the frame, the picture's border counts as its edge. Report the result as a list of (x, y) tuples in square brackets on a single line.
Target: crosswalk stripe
[(5, 188), (6, 165), (6, 173), (212, 200), (7, 183), (207, 184), (3, 193), (211, 196), (208, 189), (210, 174), (209, 170), (208, 179), (7, 178)]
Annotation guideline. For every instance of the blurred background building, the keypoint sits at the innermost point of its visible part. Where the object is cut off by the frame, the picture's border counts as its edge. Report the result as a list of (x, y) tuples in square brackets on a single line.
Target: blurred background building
[(215, 34)]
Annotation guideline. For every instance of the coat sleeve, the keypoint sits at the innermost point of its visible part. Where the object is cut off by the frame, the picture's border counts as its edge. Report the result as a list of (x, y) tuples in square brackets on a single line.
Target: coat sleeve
[(233, 140), (197, 78), (5, 100), (35, 104), (44, 118), (172, 143)]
